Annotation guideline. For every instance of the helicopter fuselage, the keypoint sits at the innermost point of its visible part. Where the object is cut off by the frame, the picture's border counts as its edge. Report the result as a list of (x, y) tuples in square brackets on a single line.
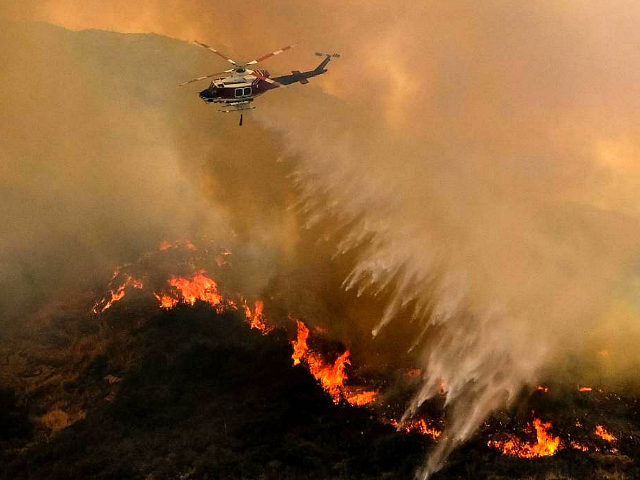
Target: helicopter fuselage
[(236, 90)]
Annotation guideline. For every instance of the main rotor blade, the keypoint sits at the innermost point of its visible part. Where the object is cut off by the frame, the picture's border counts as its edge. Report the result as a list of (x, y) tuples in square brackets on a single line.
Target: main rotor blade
[(272, 54), (266, 79), (220, 54), (203, 77)]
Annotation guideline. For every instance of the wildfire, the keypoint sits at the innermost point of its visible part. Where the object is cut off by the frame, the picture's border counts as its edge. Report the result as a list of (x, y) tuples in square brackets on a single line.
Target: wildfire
[(419, 426), (300, 343), (601, 432), (115, 294), (256, 318), (189, 290), (198, 286), (579, 446), (166, 301), (546, 444), (360, 398), (164, 245), (331, 376)]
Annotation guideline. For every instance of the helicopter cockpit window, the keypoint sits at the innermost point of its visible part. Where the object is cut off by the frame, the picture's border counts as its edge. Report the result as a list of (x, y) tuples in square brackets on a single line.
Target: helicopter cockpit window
[(243, 92)]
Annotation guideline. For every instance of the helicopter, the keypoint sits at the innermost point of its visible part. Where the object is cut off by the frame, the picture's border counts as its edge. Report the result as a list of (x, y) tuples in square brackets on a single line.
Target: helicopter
[(237, 87)]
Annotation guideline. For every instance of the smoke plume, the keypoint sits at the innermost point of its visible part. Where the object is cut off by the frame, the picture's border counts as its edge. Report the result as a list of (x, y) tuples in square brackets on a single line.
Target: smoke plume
[(477, 160)]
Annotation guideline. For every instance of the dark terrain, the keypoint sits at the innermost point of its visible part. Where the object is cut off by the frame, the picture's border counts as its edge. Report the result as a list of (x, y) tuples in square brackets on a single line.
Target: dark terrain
[(190, 393)]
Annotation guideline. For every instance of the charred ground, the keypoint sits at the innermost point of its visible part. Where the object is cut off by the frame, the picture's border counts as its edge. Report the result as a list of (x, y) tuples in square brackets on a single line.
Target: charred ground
[(198, 395), (193, 393)]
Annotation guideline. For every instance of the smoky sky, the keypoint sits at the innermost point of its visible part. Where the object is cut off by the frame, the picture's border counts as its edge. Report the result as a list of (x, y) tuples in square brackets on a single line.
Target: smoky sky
[(479, 160)]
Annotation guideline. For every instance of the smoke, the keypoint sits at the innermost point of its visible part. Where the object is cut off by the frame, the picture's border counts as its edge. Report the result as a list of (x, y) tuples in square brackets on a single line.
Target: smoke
[(478, 161)]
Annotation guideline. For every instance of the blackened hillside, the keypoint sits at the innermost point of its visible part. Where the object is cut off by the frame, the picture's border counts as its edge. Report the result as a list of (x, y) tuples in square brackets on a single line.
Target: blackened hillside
[(209, 398)]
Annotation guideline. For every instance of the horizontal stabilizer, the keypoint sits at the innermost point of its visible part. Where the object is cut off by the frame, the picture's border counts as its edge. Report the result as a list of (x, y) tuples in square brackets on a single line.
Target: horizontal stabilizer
[(299, 77)]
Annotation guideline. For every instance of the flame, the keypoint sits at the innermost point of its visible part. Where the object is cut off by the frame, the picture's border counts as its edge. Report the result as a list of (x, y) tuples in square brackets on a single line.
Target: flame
[(331, 376), (359, 398), (542, 388), (166, 301), (116, 294), (420, 426), (198, 287), (189, 290), (164, 245), (579, 446), (546, 444), (300, 347), (585, 389), (601, 432), (256, 319)]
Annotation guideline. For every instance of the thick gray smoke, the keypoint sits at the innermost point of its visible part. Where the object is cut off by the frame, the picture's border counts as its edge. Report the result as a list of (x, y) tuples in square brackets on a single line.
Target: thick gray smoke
[(479, 157)]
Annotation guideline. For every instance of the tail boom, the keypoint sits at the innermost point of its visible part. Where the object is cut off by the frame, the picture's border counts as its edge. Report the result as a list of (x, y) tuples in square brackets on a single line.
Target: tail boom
[(302, 77)]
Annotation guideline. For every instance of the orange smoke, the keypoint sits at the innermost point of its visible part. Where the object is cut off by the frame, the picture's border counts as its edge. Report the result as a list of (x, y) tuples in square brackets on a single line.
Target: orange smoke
[(546, 444)]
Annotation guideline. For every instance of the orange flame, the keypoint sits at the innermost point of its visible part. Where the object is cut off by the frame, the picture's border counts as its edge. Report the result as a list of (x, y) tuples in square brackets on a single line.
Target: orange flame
[(166, 301), (420, 426), (359, 398), (116, 294), (579, 446), (585, 389), (256, 319), (164, 245), (189, 290), (604, 434), (300, 343), (199, 287), (542, 388), (546, 444), (331, 376)]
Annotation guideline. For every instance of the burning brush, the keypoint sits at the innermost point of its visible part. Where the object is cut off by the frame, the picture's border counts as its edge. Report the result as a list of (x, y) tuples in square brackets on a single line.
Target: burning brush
[(331, 371)]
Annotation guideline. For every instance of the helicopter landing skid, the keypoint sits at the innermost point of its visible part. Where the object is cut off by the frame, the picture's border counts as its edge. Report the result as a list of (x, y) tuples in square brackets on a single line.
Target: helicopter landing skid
[(239, 108)]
